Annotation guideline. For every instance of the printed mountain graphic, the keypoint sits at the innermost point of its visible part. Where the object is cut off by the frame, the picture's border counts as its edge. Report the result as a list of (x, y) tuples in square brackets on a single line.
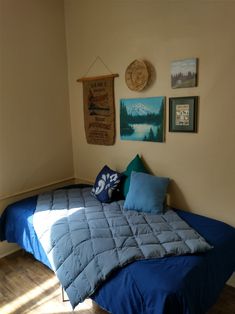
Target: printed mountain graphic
[(138, 110)]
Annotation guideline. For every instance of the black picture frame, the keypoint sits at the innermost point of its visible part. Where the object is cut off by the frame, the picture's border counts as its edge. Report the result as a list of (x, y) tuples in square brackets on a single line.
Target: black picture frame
[(183, 114)]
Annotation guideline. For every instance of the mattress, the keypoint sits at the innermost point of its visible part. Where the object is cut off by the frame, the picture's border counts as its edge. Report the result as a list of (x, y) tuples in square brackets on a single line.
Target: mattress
[(188, 284)]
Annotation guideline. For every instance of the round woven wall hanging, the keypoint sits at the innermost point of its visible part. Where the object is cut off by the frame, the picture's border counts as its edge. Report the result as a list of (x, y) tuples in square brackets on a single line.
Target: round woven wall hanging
[(137, 75)]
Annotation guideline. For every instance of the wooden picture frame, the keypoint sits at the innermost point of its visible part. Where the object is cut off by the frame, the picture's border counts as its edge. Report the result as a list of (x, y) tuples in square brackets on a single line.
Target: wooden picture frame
[(183, 114)]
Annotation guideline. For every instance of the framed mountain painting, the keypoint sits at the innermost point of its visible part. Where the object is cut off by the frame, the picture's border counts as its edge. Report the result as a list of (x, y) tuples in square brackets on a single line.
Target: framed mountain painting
[(142, 119)]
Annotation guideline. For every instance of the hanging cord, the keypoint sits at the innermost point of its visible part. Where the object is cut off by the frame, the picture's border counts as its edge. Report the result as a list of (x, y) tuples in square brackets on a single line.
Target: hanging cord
[(98, 57)]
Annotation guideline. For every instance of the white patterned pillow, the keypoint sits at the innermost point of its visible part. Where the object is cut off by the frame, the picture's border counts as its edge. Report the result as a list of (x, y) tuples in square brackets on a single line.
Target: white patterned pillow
[(107, 181)]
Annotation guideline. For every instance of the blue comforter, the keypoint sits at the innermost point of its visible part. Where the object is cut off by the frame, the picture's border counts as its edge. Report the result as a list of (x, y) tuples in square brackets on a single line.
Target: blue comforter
[(182, 284), (86, 240)]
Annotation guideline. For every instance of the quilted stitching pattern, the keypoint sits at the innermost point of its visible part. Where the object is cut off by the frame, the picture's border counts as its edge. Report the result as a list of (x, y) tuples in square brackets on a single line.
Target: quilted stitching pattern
[(86, 240)]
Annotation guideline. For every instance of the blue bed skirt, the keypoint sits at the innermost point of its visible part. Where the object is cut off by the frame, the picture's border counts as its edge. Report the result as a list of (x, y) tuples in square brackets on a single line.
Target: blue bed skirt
[(178, 285)]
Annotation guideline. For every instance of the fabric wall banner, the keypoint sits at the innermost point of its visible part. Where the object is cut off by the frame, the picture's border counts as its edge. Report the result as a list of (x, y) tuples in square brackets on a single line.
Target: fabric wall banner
[(99, 110)]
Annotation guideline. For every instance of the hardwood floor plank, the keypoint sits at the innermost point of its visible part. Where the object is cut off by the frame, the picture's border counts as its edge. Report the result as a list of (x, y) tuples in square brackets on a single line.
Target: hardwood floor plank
[(29, 287)]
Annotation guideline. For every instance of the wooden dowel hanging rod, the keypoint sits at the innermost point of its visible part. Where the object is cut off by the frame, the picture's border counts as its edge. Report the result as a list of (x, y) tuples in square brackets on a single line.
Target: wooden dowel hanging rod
[(101, 77)]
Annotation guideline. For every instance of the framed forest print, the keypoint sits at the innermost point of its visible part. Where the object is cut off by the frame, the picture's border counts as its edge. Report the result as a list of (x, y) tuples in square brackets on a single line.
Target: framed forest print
[(184, 73)]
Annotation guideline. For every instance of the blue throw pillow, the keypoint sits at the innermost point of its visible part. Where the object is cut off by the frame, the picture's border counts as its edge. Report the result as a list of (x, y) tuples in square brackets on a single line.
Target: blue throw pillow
[(106, 183), (146, 193)]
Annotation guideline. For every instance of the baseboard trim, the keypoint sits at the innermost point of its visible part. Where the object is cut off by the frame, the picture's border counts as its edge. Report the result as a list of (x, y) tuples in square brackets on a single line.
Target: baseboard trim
[(68, 180), (8, 249), (85, 181)]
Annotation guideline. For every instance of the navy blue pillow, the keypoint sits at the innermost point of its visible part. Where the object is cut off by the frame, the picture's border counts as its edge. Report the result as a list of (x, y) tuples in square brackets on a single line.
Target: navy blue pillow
[(107, 181), (146, 193)]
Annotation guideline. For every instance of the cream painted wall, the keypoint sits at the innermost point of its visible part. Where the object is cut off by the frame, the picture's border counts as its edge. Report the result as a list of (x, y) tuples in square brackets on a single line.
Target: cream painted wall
[(35, 129), (200, 165)]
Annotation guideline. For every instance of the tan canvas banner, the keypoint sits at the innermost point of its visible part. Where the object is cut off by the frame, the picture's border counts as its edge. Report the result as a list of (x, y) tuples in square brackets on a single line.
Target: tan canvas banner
[(99, 110)]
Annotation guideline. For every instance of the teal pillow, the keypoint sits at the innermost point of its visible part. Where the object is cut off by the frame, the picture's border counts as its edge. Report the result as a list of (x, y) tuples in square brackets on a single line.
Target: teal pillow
[(146, 193), (135, 165)]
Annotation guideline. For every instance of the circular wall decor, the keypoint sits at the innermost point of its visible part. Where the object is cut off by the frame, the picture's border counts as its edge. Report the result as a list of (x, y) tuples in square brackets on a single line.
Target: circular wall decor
[(137, 75)]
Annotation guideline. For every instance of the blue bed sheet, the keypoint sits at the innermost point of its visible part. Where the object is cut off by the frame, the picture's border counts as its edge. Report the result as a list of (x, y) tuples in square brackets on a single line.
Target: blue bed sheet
[(178, 285), (16, 226)]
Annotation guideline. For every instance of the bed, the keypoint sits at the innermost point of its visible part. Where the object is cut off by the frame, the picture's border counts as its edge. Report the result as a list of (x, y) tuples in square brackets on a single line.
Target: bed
[(186, 284)]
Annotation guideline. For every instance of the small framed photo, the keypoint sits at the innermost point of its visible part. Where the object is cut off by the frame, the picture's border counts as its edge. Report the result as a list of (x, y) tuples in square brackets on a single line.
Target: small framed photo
[(184, 73), (183, 114)]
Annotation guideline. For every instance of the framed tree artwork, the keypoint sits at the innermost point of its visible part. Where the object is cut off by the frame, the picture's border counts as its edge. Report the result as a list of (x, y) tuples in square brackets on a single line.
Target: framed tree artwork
[(184, 73)]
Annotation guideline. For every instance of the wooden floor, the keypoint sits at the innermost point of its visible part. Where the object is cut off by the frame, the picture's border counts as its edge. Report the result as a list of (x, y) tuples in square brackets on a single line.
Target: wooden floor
[(27, 286)]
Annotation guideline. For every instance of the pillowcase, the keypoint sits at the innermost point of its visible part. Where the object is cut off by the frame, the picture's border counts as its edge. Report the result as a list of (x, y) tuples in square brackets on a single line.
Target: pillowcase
[(146, 193), (135, 165), (106, 183)]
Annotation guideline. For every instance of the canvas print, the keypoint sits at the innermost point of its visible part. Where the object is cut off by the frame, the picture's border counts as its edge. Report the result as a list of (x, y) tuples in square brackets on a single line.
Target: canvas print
[(142, 119), (184, 73)]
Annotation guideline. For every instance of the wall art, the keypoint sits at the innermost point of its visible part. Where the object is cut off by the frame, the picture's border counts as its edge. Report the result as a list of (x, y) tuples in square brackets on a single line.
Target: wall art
[(184, 73), (142, 119), (99, 109), (183, 114), (137, 75)]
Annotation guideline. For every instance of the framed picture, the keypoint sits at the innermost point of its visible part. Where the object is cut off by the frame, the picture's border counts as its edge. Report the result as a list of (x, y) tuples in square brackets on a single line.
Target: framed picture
[(184, 73), (142, 119), (183, 114)]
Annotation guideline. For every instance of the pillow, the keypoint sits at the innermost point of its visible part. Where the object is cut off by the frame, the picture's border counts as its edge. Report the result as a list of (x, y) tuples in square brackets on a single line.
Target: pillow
[(146, 193), (135, 165), (105, 184)]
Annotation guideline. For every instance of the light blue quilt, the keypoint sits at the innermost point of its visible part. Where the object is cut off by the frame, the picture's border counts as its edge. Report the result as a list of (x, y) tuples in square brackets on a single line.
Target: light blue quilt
[(86, 240)]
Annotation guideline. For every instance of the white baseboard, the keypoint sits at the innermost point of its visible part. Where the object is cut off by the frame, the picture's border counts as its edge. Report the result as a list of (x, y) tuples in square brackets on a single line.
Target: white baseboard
[(85, 181), (36, 189), (9, 248)]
